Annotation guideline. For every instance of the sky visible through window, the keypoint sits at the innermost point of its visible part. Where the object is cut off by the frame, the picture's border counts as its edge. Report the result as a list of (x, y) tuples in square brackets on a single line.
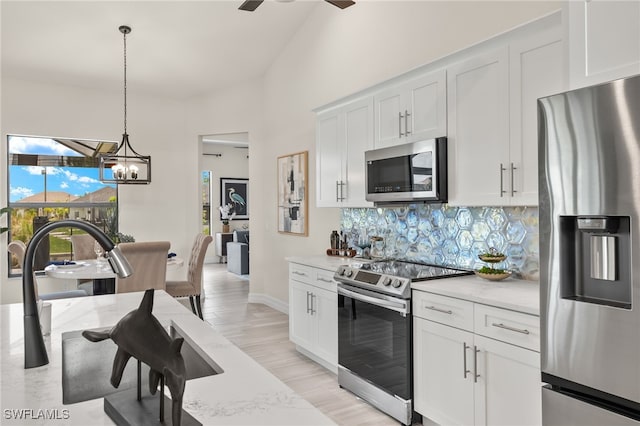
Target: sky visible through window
[(27, 181)]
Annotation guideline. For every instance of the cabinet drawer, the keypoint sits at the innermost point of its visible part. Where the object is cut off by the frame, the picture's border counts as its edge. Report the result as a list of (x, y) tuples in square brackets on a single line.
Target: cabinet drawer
[(302, 273), (324, 279), (446, 310), (511, 327)]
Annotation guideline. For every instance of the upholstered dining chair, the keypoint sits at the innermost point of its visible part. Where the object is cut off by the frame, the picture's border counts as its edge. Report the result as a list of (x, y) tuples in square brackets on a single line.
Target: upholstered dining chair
[(18, 249), (82, 245), (192, 287), (149, 263)]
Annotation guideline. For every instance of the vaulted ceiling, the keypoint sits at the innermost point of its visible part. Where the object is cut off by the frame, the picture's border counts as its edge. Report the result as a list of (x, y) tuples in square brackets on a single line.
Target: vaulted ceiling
[(177, 48)]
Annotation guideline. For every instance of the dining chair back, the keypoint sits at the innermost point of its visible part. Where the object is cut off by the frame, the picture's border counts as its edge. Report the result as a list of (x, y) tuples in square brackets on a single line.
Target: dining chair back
[(82, 245), (149, 263), (18, 249), (192, 287)]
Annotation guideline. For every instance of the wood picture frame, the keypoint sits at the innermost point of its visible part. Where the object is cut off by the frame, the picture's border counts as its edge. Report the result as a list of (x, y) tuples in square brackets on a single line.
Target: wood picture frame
[(293, 198)]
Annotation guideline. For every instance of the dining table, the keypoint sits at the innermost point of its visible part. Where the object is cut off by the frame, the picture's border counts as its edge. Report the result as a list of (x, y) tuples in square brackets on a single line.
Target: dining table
[(97, 270)]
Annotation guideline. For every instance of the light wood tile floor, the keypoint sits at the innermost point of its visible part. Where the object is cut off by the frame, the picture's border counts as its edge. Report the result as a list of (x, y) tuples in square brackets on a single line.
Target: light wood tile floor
[(263, 333)]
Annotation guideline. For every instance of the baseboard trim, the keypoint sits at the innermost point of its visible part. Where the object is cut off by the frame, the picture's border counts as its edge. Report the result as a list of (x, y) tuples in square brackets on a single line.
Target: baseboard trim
[(270, 301), (323, 362)]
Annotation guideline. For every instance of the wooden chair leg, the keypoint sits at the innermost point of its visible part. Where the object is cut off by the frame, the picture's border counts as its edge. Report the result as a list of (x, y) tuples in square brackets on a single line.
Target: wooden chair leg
[(199, 306), (193, 306)]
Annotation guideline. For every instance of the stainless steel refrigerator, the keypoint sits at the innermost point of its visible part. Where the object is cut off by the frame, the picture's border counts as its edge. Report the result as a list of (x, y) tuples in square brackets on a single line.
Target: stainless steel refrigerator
[(589, 158)]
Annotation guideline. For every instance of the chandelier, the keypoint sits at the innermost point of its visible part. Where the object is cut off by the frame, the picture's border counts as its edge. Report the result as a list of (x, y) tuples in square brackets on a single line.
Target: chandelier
[(125, 165)]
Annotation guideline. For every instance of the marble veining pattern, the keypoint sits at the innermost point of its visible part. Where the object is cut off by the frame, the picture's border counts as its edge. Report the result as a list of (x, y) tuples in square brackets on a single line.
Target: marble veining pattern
[(454, 236), (250, 393)]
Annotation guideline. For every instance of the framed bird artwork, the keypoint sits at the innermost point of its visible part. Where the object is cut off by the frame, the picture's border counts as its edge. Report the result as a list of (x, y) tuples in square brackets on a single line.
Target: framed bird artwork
[(234, 193)]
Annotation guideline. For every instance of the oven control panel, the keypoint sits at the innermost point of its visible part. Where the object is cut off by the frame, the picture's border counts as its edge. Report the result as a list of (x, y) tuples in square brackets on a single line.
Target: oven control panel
[(382, 283)]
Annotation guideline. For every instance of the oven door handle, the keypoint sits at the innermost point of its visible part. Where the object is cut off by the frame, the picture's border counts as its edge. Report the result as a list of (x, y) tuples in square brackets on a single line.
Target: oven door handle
[(400, 307)]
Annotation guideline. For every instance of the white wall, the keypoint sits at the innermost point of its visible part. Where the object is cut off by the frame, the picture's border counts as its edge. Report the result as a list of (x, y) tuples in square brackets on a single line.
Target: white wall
[(336, 53), (232, 164), (157, 126)]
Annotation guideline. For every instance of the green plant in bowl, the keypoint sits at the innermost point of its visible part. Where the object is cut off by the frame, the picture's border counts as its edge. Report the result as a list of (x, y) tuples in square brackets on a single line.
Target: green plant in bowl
[(492, 256), (487, 270)]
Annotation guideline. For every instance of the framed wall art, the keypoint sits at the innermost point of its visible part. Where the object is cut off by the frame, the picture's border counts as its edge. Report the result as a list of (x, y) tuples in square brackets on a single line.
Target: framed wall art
[(292, 194), (235, 192)]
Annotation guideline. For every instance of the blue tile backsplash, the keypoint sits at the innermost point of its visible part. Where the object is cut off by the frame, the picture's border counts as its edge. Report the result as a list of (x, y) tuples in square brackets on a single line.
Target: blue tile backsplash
[(453, 236)]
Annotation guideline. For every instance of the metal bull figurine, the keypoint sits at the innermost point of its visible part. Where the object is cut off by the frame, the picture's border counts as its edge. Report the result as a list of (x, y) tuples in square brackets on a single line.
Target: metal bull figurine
[(140, 335)]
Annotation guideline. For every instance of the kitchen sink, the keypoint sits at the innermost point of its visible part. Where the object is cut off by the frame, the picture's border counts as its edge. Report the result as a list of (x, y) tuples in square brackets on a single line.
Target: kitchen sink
[(86, 366)]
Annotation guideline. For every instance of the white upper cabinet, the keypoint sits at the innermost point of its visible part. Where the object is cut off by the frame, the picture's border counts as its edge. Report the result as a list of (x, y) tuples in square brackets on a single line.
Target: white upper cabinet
[(535, 70), (492, 110), (604, 40), (478, 135), (343, 134), (411, 111)]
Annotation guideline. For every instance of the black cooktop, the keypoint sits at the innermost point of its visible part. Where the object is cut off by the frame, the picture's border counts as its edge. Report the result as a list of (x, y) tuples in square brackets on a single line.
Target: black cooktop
[(411, 271)]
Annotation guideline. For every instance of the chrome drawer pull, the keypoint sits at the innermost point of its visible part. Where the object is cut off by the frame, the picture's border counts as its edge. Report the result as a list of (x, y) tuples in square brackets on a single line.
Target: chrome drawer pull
[(299, 273), (506, 327), (325, 280), (464, 357), (433, 308), (475, 364)]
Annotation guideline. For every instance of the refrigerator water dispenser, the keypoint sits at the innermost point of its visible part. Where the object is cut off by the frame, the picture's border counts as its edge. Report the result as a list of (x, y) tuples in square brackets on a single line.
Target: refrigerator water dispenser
[(596, 259)]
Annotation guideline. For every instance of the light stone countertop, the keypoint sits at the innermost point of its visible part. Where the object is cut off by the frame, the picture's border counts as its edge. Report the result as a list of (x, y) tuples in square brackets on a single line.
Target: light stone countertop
[(329, 263), (243, 394), (516, 295)]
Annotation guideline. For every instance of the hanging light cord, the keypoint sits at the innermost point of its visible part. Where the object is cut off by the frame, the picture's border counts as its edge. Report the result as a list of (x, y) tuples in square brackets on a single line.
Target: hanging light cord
[(125, 80)]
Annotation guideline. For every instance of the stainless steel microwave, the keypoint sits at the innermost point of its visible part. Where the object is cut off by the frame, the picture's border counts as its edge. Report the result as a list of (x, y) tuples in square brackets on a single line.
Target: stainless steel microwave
[(415, 172)]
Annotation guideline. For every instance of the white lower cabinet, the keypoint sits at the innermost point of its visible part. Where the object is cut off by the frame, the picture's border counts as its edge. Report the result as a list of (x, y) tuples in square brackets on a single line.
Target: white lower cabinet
[(313, 314), (464, 378)]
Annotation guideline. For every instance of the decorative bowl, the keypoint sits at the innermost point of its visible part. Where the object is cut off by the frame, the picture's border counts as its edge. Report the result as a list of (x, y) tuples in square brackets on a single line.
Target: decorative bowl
[(493, 277), (491, 258)]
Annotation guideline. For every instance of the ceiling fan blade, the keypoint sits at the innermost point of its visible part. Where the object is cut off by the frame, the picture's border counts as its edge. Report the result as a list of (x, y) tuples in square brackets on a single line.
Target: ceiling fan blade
[(250, 5), (342, 4)]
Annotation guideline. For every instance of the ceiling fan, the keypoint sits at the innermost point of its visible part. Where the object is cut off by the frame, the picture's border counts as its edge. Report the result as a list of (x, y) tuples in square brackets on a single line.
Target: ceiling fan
[(251, 5)]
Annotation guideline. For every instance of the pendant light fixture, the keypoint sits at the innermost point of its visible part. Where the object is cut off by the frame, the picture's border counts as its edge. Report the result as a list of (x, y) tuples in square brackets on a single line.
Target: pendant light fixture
[(125, 165)]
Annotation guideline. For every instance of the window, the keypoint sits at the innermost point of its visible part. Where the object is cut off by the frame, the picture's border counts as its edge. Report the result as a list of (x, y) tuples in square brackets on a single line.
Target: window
[(52, 179), (206, 203)]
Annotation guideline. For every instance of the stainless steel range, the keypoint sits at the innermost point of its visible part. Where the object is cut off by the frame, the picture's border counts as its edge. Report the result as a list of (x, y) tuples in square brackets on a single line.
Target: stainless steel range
[(375, 331)]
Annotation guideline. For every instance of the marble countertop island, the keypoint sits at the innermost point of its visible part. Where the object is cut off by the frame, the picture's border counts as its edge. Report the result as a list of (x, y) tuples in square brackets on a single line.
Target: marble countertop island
[(243, 394)]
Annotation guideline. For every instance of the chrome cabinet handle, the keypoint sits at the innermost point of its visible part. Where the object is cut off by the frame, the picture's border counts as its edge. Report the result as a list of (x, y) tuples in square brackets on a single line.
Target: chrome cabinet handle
[(433, 308), (406, 124), (308, 308), (502, 191), (475, 364), (513, 191), (339, 193), (325, 280), (506, 327), (464, 357), (299, 273), (313, 311), (400, 134)]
